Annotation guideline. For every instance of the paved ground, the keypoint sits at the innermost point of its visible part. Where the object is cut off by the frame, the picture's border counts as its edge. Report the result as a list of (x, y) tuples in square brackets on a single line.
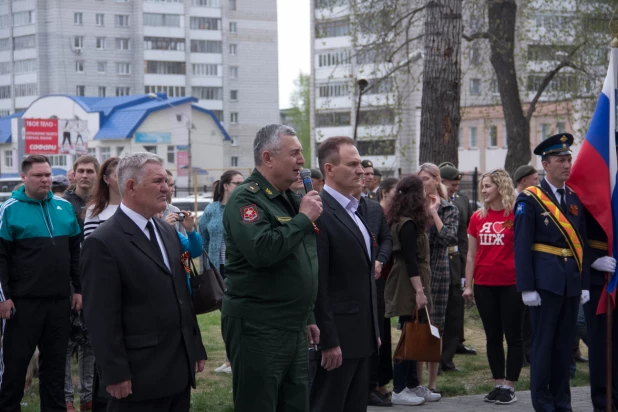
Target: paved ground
[(580, 403)]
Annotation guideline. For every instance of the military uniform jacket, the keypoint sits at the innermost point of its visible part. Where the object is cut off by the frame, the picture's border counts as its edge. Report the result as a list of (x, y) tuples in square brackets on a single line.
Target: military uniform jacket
[(465, 213), (271, 262), (540, 270)]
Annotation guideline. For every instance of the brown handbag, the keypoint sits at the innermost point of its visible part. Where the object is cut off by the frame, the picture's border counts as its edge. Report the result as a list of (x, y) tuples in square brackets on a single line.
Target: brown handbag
[(417, 343), (207, 288)]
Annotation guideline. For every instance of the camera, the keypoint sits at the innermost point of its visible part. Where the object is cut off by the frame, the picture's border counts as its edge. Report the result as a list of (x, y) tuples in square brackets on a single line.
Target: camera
[(181, 217)]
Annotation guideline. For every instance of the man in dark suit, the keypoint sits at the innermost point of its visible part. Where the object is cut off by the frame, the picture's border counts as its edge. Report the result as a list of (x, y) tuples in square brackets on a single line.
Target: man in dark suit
[(345, 309), (382, 362), (552, 272), (138, 309)]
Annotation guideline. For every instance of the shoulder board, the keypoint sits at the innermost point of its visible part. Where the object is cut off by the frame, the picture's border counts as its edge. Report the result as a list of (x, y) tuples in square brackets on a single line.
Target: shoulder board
[(253, 187), (571, 191)]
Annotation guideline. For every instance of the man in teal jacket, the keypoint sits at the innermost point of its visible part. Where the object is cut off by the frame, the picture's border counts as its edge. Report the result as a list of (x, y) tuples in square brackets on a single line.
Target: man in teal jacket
[(39, 259)]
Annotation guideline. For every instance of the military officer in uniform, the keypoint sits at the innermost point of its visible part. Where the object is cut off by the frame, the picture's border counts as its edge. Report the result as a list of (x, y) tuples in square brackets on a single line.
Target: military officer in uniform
[(271, 278), (368, 175), (524, 177), (453, 338), (552, 272)]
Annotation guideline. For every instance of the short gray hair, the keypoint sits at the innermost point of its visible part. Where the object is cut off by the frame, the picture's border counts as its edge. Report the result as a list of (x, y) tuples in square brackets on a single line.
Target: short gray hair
[(269, 138), (131, 167)]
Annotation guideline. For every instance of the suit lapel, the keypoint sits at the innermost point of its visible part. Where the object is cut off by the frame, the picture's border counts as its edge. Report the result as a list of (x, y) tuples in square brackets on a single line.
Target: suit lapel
[(343, 216), (167, 242)]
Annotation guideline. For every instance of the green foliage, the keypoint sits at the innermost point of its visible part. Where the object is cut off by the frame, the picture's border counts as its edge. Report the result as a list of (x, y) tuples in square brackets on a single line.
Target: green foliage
[(300, 113)]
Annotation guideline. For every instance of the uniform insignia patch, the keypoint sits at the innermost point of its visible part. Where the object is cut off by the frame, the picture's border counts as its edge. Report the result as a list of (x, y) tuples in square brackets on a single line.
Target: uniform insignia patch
[(546, 221), (508, 224), (253, 187), (520, 209), (574, 210), (284, 219), (268, 191), (249, 214)]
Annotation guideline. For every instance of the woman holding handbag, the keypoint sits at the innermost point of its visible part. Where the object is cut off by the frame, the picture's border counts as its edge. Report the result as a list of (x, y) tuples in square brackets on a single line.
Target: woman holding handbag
[(408, 285), (491, 262), (211, 228)]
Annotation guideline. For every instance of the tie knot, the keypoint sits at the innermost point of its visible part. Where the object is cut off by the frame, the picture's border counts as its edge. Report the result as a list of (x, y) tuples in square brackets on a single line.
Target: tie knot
[(561, 191)]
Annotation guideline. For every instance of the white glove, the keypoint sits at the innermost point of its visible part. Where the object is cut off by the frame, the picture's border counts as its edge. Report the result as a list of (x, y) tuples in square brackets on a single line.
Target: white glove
[(585, 296), (605, 264), (531, 298), (463, 283)]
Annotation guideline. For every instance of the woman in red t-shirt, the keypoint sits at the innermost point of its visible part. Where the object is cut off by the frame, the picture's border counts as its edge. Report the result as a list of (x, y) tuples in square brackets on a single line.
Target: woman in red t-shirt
[(492, 264)]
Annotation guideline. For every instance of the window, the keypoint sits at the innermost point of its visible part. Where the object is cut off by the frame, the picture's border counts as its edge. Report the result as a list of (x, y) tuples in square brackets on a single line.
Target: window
[(164, 43), (24, 42), (376, 117), (232, 4), (493, 86), (106, 153), (171, 91), (493, 136), (100, 19), (163, 67), (545, 131), (233, 72), (22, 18), (80, 90), (234, 141), (460, 138), (78, 18), (334, 89), (380, 147), (383, 86), (5, 68), (561, 127), (206, 3), (562, 82), (171, 154), (122, 20), (234, 117), (205, 70), (218, 114), (234, 95), (161, 20), (79, 66), (206, 46), (123, 91), (151, 149), (101, 67), (78, 42), (119, 150), (91, 150), (208, 93), (56, 160), (234, 161), (233, 48), (473, 137), (4, 21), (29, 89), (547, 53), (475, 86), (123, 68), (8, 158), (5, 44), (205, 23), (475, 56), (122, 44), (5, 92), (100, 41), (25, 66), (333, 28), (233, 27), (334, 58), (121, 1), (333, 119), (102, 91)]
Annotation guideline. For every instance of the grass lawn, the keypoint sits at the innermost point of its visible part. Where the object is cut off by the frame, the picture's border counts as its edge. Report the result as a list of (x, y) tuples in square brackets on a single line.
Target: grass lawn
[(214, 391)]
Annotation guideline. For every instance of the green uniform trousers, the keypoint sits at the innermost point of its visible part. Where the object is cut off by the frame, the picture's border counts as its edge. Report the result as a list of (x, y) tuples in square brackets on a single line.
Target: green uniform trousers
[(269, 366)]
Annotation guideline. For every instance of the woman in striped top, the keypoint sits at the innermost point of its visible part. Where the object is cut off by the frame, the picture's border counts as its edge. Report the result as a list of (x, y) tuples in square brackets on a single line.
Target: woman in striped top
[(106, 198)]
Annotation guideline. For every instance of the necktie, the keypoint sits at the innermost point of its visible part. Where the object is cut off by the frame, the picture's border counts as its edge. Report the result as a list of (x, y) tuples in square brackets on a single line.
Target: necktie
[(153, 241), (562, 199)]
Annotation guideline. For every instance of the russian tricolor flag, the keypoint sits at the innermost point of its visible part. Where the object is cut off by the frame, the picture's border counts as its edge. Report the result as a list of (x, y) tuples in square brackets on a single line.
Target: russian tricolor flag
[(593, 176)]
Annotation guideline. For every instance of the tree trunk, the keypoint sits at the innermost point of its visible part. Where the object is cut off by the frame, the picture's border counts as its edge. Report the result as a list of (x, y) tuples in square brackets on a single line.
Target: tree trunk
[(440, 103), (502, 16)]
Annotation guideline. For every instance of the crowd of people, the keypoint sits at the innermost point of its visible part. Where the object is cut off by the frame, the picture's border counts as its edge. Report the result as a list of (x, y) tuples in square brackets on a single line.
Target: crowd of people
[(314, 268)]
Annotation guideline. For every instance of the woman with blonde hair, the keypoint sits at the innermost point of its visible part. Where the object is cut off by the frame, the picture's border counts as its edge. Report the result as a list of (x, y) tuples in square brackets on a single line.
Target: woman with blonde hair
[(491, 263)]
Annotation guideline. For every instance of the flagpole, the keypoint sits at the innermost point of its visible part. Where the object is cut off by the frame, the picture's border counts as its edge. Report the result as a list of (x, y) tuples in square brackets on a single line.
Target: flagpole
[(608, 349)]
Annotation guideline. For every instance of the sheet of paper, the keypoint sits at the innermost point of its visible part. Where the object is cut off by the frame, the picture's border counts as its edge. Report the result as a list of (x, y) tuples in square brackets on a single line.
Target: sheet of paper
[(434, 331)]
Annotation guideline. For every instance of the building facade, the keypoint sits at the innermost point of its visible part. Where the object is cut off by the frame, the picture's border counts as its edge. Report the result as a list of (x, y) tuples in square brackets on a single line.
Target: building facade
[(222, 52)]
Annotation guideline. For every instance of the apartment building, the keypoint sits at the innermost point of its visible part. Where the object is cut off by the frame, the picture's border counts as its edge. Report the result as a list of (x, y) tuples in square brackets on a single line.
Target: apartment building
[(222, 52)]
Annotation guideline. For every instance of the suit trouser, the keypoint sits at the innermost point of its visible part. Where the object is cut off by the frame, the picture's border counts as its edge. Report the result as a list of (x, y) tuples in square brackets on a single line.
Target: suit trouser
[(269, 366), (343, 389), (37, 322), (454, 321), (597, 333), (553, 327), (176, 403), (382, 362)]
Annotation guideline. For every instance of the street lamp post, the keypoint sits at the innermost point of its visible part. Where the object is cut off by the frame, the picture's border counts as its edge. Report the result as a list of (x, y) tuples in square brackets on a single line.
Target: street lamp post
[(362, 85)]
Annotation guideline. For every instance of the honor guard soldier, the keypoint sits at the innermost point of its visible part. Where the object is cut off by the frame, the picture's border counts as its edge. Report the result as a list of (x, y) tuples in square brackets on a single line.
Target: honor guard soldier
[(552, 272), (368, 175)]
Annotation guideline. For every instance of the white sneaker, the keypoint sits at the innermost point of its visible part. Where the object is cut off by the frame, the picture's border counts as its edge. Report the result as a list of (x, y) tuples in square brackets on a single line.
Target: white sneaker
[(406, 397), (221, 368), (426, 394), (227, 369)]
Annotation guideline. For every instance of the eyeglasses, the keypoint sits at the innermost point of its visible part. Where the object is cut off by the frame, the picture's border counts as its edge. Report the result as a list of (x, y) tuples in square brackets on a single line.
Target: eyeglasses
[(235, 183)]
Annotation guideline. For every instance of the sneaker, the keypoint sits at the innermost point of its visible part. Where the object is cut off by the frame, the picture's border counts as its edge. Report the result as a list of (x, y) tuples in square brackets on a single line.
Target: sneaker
[(506, 397), (491, 396), (227, 369), (406, 397), (220, 368), (427, 394)]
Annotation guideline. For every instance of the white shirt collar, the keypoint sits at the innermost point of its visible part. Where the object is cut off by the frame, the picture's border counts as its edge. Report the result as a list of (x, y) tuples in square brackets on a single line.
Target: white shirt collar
[(347, 202), (139, 220), (554, 189)]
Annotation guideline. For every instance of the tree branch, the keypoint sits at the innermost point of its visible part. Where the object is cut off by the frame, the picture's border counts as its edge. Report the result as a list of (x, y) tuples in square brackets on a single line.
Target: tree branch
[(475, 36)]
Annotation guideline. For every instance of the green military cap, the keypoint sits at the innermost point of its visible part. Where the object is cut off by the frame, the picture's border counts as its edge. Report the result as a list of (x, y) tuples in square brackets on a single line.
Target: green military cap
[(441, 165), (449, 172), (366, 163), (376, 172), (316, 174), (523, 171)]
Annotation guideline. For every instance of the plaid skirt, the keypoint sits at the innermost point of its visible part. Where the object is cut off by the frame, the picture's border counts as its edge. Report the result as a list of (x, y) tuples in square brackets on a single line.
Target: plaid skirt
[(440, 283)]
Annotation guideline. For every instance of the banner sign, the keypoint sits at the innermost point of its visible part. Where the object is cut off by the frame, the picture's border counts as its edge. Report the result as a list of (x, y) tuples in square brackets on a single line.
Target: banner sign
[(56, 136)]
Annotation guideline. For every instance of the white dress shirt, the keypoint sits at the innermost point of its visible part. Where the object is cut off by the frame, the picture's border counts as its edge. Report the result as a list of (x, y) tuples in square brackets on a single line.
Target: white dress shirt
[(141, 222), (554, 189), (350, 204)]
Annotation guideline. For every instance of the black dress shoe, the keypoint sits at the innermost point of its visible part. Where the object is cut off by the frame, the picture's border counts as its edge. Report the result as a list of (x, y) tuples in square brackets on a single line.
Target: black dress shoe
[(450, 368), (464, 350), (377, 399)]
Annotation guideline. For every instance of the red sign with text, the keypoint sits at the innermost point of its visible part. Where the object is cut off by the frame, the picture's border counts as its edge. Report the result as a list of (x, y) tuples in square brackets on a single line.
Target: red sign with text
[(182, 161), (41, 136)]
